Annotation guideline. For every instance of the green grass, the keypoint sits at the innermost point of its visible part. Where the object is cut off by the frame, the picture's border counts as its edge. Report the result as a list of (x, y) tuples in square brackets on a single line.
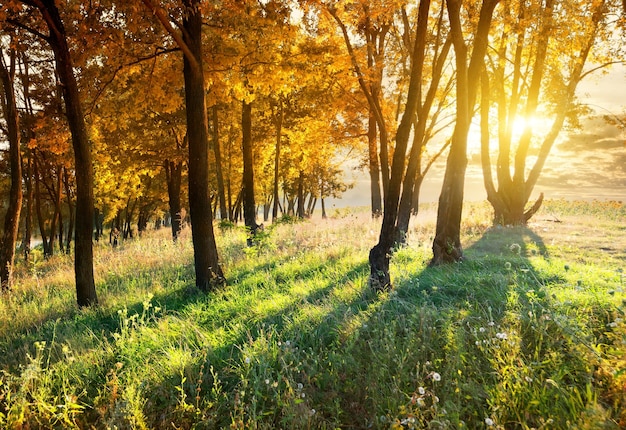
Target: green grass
[(528, 332)]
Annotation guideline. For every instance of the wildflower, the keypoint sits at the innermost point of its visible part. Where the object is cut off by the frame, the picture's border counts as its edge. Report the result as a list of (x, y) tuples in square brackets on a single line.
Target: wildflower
[(507, 265), (312, 412), (420, 402), (436, 377), (491, 323), (515, 248), (300, 386), (421, 390), (247, 360), (489, 422), (501, 336), (528, 379), (267, 382), (482, 329)]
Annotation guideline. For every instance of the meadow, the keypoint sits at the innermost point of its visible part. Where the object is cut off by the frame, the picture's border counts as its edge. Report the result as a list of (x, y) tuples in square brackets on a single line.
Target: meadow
[(528, 333)]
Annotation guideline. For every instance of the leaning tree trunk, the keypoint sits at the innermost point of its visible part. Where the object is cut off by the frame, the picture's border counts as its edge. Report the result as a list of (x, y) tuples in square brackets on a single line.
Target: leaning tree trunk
[(208, 270), (380, 254), (12, 217), (374, 167)]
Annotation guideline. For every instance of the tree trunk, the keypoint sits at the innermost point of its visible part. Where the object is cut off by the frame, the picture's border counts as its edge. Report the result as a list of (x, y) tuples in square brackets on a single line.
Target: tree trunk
[(380, 254), (28, 216), (83, 260), (374, 169), (279, 127), (300, 209), (218, 165), (249, 206), (447, 242), (70, 208), (12, 217), (38, 210), (208, 270), (173, 178)]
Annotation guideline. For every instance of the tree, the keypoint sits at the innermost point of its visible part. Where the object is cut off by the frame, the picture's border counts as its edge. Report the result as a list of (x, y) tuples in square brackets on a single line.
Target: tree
[(532, 75), (373, 21), (447, 242), (208, 270), (57, 39), (12, 217), (379, 255)]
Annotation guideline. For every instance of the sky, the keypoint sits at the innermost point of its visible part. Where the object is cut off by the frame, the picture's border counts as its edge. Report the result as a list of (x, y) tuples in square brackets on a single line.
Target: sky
[(585, 164)]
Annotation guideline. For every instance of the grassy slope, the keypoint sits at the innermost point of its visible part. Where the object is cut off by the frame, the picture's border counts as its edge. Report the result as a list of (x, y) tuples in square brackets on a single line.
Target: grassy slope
[(528, 332)]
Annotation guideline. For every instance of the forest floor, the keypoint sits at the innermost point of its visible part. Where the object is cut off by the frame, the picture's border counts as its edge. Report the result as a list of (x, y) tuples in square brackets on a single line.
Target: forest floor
[(528, 332)]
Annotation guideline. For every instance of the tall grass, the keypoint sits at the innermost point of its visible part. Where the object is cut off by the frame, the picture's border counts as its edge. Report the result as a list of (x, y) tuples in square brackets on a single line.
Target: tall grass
[(528, 332)]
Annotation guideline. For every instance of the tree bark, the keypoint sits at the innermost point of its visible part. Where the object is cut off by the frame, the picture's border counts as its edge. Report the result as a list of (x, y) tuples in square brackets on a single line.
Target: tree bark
[(218, 165), (279, 128), (208, 270), (380, 254), (70, 208), (12, 217), (374, 167), (173, 178), (447, 242), (83, 261), (249, 205)]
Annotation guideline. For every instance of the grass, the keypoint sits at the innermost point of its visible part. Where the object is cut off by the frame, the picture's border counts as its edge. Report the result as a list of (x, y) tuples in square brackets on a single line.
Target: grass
[(527, 333)]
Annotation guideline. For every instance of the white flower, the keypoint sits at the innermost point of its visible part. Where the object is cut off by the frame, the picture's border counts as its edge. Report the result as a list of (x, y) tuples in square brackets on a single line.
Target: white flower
[(489, 422), (247, 360), (436, 376), (421, 390), (491, 323), (267, 382), (501, 336), (482, 329)]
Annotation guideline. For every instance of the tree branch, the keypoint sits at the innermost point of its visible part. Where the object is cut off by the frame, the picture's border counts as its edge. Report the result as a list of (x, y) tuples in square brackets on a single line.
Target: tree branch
[(160, 14)]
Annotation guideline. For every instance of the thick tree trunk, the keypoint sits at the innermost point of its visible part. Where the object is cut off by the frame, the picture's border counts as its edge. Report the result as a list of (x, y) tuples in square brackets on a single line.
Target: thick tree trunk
[(208, 270), (249, 205), (83, 261), (221, 195), (12, 217), (173, 178), (447, 242), (380, 254)]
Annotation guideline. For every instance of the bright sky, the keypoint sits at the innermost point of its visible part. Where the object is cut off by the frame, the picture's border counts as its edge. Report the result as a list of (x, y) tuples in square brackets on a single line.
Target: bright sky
[(589, 164)]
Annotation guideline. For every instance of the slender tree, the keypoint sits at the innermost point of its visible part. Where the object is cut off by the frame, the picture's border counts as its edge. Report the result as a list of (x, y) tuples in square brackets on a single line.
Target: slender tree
[(12, 217), (83, 256)]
